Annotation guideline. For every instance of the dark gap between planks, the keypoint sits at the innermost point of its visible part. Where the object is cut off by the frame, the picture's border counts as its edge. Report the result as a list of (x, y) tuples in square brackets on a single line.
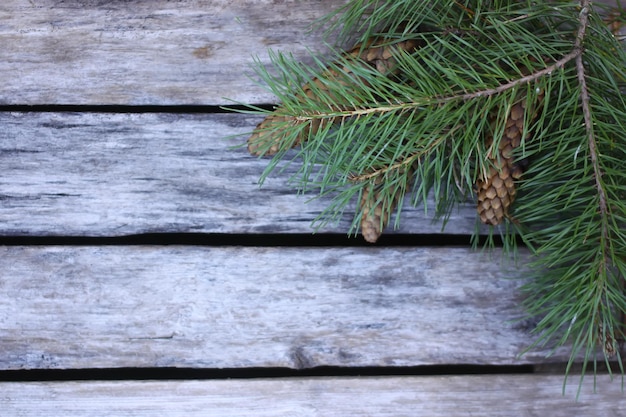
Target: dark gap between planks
[(126, 374), (139, 374), (175, 109), (250, 240)]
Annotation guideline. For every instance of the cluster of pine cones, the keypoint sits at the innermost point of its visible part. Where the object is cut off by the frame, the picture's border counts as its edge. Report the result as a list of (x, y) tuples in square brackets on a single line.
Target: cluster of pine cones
[(495, 188)]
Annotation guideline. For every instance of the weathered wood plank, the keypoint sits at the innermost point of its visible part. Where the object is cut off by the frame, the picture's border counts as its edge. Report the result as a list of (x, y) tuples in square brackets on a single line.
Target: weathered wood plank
[(228, 307), (118, 174), (436, 396), (147, 51)]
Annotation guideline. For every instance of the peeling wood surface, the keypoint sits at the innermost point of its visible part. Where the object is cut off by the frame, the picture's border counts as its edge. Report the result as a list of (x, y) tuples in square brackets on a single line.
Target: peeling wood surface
[(436, 396), (86, 174), (148, 52), (228, 307)]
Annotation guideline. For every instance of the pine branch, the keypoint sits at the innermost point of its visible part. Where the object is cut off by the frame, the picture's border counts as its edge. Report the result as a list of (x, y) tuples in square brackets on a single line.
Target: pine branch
[(522, 101), (584, 96), (594, 310), (573, 54), (606, 336)]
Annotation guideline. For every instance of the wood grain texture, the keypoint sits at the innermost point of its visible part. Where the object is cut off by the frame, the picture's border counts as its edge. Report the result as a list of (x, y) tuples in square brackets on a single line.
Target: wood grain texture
[(227, 307), (144, 52), (435, 396), (118, 174), (149, 52)]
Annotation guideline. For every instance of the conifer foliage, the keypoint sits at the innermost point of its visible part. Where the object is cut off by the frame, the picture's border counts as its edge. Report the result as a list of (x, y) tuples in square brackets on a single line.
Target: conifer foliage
[(518, 105)]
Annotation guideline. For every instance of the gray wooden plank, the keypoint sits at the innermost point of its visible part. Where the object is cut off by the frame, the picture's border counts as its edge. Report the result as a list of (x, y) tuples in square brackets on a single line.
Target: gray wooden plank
[(117, 174), (436, 396), (147, 51), (236, 307)]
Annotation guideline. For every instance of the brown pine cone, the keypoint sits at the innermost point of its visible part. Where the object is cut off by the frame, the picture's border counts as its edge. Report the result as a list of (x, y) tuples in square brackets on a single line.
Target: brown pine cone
[(496, 190), (372, 220), (376, 212), (265, 140)]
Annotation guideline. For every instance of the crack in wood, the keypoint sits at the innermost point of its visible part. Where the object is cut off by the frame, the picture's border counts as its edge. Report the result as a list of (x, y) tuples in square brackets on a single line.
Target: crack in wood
[(168, 337)]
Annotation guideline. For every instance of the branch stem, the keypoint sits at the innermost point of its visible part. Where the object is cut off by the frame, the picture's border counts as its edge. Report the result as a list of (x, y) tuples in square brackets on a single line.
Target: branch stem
[(606, 335), (575, 53), (584, 96), (405, 162)]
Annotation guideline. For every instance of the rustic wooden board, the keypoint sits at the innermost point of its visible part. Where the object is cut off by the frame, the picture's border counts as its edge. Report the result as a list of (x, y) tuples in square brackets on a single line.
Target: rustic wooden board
[(117, 174), (233, 307), (147, 51), (436, 396)]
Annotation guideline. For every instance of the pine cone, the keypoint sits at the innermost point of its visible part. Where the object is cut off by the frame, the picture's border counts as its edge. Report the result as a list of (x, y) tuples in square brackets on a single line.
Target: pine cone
[(264, 141), (376, 213), (372, 220), (496, 190)]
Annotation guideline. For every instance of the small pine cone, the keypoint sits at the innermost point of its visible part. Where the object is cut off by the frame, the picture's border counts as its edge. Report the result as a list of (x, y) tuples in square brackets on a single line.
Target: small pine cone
[(262, 142), (261, 138), (376, 212), (496, 193), (265, 141), (496, 190), (374, 219)]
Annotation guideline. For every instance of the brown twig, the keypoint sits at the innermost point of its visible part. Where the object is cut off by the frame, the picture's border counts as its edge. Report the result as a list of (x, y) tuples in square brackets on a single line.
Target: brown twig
[(573, 54), (408, 161), (376, 173), (584, 96), (606, 335)]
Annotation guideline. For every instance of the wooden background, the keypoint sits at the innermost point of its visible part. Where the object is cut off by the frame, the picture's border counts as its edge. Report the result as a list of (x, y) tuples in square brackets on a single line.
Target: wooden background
[(135, 237)]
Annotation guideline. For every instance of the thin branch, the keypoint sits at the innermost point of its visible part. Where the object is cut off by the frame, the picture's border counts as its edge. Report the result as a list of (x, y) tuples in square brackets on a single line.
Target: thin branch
[(584, 95), (573, 54), (605, 334), (407, 161)]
